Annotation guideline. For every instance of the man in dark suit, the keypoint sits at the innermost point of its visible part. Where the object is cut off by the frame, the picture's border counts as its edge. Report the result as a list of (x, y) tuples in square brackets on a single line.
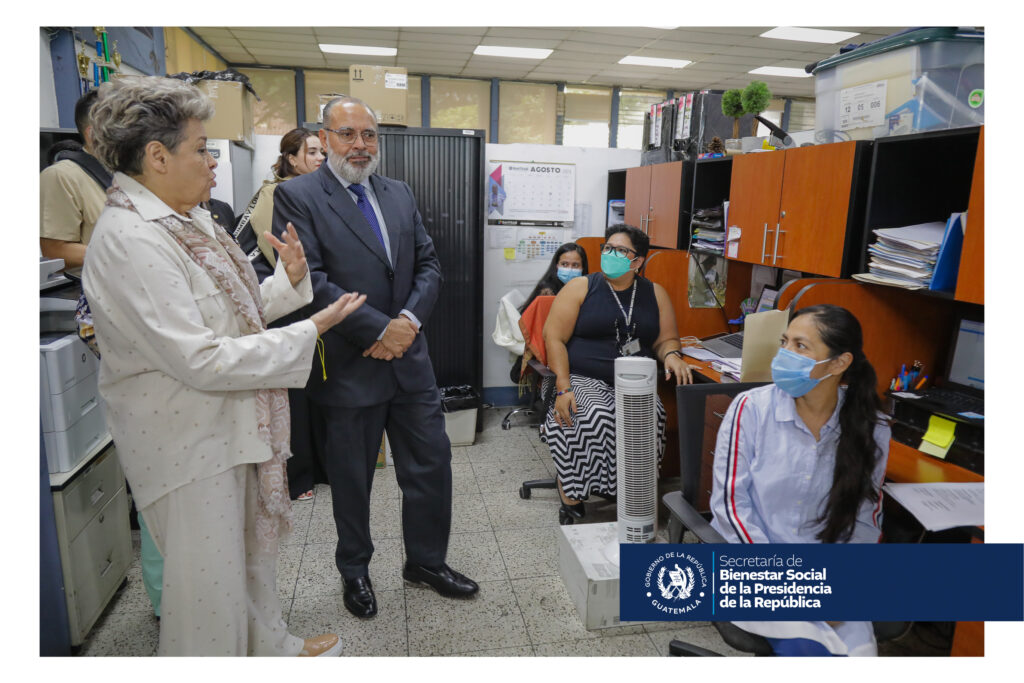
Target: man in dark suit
[(362, 232)]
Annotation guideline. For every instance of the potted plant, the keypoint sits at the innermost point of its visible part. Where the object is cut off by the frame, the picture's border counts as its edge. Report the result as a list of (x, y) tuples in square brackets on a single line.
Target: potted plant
[(755, 99), (732, 106)]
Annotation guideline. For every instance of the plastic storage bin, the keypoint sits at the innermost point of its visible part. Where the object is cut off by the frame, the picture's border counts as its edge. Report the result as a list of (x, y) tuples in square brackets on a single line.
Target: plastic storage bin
[(928, 79)]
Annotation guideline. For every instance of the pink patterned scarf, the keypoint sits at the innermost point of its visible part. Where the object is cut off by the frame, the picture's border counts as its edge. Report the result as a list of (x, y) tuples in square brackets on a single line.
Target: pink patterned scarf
[(236, 277)]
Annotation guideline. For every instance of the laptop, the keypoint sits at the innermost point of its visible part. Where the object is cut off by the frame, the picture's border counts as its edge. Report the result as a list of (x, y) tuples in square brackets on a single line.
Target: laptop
[(731, 345), (962, 396)]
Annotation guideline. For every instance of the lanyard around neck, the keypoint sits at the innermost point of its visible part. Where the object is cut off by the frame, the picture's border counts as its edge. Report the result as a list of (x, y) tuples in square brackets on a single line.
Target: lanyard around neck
[(628, 317)]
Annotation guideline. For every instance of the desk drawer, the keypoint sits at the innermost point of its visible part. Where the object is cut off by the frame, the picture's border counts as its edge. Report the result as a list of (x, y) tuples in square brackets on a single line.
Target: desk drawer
[(91, 490), (99, 560)]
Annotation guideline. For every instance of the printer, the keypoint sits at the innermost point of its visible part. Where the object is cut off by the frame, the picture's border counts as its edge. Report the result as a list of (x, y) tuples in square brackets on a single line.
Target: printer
[(69, 403)]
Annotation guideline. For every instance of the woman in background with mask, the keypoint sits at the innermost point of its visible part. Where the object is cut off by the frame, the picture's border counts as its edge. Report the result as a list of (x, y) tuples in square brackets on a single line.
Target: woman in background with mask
[(802, 461), (593, 321), (569, 261)]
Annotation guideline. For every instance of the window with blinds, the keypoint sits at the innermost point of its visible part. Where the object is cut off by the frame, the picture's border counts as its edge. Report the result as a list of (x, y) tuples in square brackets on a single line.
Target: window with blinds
[(633, 104), (526, 112), (460, 103), (588, 111), (275, 112), (801, 115)]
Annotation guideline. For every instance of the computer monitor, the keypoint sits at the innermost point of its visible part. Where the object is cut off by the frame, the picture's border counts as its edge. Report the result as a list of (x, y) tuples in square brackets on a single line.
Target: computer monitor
[(967, 365)]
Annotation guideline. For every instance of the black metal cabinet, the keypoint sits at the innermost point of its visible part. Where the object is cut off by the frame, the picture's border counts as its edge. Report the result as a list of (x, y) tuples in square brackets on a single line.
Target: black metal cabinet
[(446, 170)]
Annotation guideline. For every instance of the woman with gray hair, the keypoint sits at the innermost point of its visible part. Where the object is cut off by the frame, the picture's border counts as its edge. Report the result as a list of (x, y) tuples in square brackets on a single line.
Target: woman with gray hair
[(193, 381)]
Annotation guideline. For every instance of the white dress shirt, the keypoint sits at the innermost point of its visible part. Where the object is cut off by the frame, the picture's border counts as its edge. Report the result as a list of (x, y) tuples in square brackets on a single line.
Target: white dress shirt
[(771, 481), (177, 376)]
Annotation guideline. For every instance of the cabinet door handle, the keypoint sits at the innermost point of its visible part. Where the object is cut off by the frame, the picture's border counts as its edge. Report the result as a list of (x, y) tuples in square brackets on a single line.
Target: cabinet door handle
[(107, 566), (720, 416), (764, 241), (775, 251), (712, 452)]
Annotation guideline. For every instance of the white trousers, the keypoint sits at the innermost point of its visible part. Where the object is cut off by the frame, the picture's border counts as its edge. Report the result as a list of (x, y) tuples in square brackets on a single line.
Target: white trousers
[(220, 589)]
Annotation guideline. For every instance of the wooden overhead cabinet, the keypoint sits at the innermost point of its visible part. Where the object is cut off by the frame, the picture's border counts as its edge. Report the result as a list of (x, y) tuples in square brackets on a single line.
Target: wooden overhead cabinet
[(800, 208), (653, 195)]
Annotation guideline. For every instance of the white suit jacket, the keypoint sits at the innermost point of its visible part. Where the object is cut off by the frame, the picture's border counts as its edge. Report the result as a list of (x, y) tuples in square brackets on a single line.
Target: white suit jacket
[(178, 378)]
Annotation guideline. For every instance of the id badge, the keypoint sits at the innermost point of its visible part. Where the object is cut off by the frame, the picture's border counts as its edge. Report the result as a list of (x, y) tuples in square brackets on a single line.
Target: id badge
[(630, 348)]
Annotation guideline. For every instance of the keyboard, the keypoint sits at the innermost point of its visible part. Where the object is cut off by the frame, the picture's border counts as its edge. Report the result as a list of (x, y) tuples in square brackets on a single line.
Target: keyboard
[(955, 401), (735, 339)]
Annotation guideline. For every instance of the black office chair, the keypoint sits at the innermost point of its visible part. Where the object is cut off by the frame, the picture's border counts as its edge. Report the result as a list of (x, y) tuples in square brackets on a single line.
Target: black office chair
[(692, 407), (539, 402)]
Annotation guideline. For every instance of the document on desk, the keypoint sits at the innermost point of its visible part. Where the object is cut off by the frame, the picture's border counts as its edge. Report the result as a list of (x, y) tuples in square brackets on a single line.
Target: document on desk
[(943, 505)]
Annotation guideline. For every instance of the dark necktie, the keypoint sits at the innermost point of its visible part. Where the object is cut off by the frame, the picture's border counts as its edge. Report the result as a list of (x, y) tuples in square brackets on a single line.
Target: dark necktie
[(368, 212)]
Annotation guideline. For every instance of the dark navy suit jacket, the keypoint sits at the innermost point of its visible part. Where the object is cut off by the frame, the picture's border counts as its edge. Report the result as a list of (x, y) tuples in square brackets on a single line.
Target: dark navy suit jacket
[(345, 255)]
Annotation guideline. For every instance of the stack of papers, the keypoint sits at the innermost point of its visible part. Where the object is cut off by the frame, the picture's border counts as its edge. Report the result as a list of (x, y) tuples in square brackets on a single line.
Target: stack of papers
[(906, 256), (729, 367), (942, 505), (708, 233)]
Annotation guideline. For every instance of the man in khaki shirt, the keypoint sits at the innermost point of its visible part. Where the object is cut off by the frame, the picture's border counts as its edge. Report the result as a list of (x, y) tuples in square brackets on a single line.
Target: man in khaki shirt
[(70, 199)]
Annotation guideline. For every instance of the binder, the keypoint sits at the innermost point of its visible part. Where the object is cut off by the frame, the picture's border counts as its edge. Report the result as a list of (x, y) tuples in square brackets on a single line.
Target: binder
[(947, 266)]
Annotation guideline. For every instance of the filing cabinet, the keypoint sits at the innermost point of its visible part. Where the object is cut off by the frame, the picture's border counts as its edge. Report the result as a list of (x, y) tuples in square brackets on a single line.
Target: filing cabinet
[(91, 508)]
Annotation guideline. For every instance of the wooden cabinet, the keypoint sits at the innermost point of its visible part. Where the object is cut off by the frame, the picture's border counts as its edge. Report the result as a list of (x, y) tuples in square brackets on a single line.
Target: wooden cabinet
[(970, 283), (799, 208), (653, 201)]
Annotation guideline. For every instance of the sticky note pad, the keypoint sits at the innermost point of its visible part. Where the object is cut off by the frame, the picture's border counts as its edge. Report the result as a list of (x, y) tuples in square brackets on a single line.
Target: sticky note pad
[(940, 431), (931, 449), (510, 253)]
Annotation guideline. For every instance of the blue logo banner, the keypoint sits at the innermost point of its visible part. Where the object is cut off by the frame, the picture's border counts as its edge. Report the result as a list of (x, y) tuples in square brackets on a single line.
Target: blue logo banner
[(822, 582)]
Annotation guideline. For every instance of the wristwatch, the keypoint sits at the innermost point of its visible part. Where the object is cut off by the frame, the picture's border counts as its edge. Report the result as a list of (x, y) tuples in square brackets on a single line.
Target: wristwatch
[(675, 352)]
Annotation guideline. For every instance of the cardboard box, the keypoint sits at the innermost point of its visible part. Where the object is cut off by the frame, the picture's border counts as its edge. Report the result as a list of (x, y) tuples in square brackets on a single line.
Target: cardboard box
[(233, 118), (385, 88), (589, 567), (323, 99)]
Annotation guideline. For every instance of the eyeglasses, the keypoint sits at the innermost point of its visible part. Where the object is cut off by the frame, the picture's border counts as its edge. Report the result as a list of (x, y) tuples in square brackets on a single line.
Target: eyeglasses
[(624, 252), (348, 135)]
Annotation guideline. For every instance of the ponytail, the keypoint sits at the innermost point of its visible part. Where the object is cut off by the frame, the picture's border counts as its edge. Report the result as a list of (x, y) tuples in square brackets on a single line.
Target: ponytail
[(857, 453)]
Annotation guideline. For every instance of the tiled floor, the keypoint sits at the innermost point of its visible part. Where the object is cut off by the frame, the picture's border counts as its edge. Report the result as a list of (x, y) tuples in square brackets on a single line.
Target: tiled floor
[(508, 545)]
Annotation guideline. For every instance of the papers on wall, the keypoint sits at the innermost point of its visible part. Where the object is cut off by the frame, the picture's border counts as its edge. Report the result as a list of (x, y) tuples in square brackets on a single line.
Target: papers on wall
[(942, 506), (732, 248), (524, 191), (706, 280), (499, 237)]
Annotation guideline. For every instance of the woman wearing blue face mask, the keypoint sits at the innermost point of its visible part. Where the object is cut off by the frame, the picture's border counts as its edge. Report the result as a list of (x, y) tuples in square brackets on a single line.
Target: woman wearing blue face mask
[(593, 321), (802, 461), (569, 261)]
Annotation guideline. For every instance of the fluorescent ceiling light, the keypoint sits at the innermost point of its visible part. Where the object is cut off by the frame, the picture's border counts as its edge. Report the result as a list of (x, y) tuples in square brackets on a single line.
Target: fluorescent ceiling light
[(359, 50), (663, 28), (517, 52), (808, 35), (780, 71), (655, 61)]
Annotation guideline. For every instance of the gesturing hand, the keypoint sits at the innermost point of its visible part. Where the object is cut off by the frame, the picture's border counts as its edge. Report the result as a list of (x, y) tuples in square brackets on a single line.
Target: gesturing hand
[(291, 254), (332, 314)]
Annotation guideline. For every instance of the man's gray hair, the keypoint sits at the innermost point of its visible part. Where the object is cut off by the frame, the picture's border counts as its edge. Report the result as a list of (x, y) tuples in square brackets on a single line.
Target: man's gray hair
[(342, 100), (132, 111)]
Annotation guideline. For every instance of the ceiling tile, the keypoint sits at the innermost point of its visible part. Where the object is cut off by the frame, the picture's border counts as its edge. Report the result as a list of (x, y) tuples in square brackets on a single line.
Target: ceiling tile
[(506, 41), (364, 36), (438, 40), (529, 33), (453, 30)]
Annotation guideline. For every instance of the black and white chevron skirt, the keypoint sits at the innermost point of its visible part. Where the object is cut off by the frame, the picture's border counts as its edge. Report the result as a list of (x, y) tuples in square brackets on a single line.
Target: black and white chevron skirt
[(584, 454)]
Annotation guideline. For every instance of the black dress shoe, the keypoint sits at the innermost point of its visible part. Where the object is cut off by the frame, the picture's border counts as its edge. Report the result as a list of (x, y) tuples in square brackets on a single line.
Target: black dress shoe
[(443, 579), (577, 511), (359, 597)]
